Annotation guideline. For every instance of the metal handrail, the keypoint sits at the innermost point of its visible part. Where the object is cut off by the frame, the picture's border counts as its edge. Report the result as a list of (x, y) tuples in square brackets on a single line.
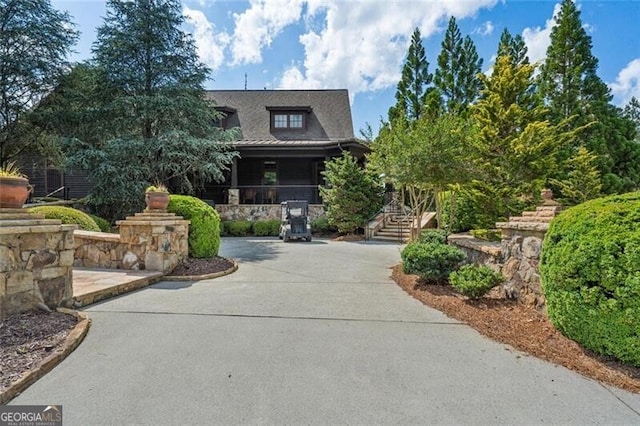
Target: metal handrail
[(54, 192)]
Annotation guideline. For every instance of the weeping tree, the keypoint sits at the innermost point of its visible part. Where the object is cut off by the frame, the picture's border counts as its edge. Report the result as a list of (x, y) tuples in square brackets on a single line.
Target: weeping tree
[(151, 91)]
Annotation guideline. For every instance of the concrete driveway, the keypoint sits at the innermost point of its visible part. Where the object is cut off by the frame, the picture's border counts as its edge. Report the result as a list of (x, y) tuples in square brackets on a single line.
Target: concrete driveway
[(307, 333)]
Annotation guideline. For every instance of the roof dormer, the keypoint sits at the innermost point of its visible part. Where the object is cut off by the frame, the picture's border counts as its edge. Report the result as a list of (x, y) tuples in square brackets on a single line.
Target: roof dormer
[(285, 118)]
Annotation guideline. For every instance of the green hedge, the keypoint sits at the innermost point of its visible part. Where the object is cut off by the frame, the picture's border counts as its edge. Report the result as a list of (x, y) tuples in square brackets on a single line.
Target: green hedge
[(433, 262), (266, 228), (475, 281), (237, 228), (590, 271), (204, 231), (103, 224), (494, 235), (67, 215)]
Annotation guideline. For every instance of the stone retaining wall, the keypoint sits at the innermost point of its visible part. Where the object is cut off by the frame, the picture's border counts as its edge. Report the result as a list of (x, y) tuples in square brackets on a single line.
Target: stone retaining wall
[(478, 252), (255, 212), (518, 254), (151, 241), (36, 260)]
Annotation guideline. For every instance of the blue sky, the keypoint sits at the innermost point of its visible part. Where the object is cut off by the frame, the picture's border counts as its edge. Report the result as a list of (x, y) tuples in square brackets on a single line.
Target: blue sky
[(360, 45)]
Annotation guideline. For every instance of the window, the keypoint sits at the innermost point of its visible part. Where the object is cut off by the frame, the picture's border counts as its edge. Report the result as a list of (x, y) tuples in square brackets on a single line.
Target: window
[(289, 118)]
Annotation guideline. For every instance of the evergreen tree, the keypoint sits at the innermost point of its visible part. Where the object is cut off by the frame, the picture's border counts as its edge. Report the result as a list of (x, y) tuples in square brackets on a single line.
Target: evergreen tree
[(35, 40), (412, 88), (632, 112), (568, 76), (516, 147), (513, 47), (572, 89), (151, 91), (583, 180), (352, 195), (458, 67)]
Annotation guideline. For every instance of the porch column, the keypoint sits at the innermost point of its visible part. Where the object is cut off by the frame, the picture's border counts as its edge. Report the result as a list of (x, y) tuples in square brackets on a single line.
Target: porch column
[(234, 173)]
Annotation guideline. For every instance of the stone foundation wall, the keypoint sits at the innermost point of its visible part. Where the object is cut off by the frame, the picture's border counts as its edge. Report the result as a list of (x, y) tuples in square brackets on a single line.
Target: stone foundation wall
[(255, 212), (153, 241), (36, 260)]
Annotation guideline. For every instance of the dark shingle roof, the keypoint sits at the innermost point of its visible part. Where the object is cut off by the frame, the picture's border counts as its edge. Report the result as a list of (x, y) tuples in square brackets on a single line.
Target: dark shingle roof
[(329, 118)]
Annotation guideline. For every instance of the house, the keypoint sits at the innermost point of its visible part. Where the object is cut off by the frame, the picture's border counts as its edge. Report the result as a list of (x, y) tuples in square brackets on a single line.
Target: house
[(286, 138)]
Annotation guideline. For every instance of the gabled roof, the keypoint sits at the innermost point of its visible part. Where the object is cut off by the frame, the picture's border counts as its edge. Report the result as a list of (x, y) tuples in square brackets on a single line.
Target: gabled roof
[(329, 113)]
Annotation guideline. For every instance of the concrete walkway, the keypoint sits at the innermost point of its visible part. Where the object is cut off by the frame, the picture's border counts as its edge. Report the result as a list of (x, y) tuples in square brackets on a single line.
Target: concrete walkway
[(307, 333)]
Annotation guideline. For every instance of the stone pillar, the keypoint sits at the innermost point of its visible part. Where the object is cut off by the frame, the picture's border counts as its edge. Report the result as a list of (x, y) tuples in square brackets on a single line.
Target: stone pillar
[(234, 196), (154, 241), (521, 244), (36, 262)]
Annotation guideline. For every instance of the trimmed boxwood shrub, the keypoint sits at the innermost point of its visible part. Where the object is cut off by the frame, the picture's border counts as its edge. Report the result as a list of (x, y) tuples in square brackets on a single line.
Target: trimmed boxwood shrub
[(204, 231), (237, 228), (103, 224), (438, 236), (475, 281), (590, 271), (67, 215), (266, 228), (433, 262)]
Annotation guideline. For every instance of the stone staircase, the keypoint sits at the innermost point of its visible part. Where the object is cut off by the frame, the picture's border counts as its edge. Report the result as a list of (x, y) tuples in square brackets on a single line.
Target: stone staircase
[(396, 228)]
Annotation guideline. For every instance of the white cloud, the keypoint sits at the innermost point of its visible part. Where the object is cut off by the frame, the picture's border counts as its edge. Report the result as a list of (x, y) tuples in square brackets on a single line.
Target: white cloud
[(484, 29), (210, 45), (360, 45), (256, 27), (538, 39), (627, 83)]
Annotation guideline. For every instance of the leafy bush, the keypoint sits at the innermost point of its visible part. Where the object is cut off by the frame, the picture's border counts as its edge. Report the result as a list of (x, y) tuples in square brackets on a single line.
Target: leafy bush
[(432, 262), (437, 236), (590, 271), (475, 281), (103, 224), (204, 231), (237, 228), (322, 226), (266, 228), (67, 215), (487, 234)]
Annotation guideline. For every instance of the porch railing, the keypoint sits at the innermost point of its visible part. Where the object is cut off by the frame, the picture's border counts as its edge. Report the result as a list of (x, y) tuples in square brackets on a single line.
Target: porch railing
[(265, 194)]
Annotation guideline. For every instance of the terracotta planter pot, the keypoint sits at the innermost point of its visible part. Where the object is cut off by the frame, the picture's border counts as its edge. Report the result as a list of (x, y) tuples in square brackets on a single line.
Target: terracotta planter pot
[(156, 200), (14, 192)]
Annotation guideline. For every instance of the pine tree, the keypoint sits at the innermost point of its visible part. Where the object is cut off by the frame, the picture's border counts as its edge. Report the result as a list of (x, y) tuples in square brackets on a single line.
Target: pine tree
[(35, 40), (412, 88), (513, 47), (458, 67), (571, 87), (568, 76)]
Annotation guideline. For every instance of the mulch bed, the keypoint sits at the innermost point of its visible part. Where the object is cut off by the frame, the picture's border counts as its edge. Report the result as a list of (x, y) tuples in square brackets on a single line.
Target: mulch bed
[(520, 326), (27, 339), (192, 266)]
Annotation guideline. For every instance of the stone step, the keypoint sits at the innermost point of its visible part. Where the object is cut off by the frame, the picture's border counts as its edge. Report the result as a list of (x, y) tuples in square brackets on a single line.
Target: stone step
[(532, 219), (391, 233), (385, 238)]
